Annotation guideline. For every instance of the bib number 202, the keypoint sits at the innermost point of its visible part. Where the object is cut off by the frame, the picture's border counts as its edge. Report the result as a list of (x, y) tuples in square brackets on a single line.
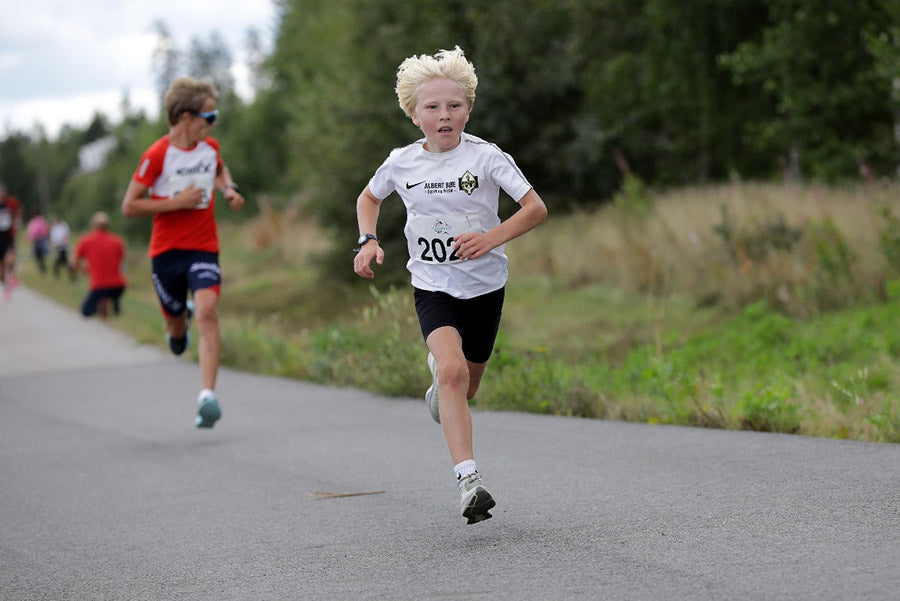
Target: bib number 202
[(437, 250)]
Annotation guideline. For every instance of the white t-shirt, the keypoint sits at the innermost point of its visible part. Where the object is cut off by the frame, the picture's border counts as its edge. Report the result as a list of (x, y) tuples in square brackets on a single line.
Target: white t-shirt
[(59, 234), (447, 193)]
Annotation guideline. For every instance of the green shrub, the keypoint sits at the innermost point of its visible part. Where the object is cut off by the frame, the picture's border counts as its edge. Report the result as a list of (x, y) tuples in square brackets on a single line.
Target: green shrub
[(634, 198), (537, 383), (261, 347), (769, 408), (887, 421), (890, 240), (833, 272), (383, 351)]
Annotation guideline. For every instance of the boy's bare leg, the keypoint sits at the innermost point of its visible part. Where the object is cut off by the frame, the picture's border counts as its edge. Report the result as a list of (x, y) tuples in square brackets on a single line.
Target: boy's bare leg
[(206, 314)]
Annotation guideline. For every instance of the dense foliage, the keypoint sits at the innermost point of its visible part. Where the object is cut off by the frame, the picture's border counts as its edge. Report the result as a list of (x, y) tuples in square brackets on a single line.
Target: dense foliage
[(582, 93)]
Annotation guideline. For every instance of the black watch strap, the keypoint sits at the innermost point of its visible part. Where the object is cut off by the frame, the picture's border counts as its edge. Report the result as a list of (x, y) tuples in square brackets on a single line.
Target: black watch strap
[(363, 239)]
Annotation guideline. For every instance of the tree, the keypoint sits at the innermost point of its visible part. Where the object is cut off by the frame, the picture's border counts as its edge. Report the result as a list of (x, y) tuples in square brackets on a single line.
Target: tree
[(98, 128), (18, 171), (211, 60), (256, 60), (334, 68), (532, 97), (831, 102), (884, 46), (166, 59), (697, 109)]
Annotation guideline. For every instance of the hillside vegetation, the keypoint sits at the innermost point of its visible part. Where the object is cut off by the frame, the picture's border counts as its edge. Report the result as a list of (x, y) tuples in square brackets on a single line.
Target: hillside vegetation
[(741, 306)]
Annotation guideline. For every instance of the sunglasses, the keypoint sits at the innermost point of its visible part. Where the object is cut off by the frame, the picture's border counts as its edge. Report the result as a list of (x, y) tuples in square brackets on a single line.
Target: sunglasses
[(210, 116)]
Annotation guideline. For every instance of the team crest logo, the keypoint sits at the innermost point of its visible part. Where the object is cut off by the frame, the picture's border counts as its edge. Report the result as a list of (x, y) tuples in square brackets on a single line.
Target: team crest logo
[(468, 183)]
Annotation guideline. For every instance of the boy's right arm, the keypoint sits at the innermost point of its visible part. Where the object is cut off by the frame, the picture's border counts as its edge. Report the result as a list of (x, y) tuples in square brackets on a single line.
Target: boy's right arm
[(367, 209), (138, 204)]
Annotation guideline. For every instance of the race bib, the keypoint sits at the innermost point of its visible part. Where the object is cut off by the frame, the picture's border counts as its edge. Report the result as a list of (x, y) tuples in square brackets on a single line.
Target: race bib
[(434, 235), (5, 220), (182, 182)]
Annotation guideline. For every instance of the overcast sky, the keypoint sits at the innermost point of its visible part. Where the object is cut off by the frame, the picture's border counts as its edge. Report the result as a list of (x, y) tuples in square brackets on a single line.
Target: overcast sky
[(63, 60)]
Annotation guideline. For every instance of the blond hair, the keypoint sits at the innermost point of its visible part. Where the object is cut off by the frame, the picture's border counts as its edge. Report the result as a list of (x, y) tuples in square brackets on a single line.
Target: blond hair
[(187, 94), (416, 71)]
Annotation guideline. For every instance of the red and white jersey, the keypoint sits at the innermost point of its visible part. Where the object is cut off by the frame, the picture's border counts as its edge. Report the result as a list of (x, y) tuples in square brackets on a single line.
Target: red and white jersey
[(166, 170), (10, 209), (446, 194)]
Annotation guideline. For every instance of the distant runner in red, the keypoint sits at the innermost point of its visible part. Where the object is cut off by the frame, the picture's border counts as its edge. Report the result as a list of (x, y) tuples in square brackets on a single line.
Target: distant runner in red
[(175, 183), (10, 216), (100, 254)]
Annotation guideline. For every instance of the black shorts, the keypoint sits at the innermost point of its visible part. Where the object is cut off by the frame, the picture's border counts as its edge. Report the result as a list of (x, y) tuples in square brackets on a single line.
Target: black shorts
[(176, 271), (92, 301), (476, 319), (7, 242)]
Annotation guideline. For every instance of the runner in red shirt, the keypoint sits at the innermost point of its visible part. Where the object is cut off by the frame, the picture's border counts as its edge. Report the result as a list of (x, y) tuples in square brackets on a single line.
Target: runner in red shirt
[(103, 252), (10, 216), (175, 183)]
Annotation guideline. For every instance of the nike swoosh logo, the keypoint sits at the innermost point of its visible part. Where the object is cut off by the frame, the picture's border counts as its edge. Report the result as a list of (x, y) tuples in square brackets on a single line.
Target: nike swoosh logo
[(409, 185)]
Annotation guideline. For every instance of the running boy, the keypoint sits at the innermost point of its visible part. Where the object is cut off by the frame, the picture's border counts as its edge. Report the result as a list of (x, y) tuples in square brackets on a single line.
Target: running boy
[(181, 172), (450, 183)]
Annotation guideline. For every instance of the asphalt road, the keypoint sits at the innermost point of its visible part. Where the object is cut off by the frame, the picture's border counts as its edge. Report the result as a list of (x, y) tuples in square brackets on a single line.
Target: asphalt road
[(107, 492)]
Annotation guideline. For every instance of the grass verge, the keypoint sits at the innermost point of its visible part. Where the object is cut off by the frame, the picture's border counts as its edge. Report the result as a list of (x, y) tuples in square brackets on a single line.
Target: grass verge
[(746, 307)]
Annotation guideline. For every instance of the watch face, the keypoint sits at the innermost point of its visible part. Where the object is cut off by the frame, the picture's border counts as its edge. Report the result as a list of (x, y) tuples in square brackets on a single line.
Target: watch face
[(362, 240)]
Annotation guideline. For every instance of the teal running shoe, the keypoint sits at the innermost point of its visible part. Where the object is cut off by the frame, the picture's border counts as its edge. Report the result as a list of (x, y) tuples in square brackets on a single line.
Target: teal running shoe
[(208, 413)]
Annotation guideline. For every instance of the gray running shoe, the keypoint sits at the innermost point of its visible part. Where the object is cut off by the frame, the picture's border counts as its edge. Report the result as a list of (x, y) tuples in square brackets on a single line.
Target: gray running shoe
[(475, 500), (431, 395)]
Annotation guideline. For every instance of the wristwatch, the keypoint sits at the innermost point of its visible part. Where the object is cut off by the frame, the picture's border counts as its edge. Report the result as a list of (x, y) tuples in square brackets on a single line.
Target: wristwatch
[(363, 239), (232, 185)]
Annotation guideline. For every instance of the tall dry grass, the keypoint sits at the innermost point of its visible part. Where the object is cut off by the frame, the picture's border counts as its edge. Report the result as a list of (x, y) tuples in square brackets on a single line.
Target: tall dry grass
[(292, 233), (804, 249)]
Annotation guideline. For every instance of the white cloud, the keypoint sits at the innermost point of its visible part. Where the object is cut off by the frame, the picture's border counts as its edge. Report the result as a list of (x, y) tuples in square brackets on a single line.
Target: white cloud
[(51, 113), (9, 60), (63, 61)]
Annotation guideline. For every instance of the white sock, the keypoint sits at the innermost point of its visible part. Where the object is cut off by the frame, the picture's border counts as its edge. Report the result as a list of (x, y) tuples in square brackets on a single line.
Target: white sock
[(205, 393), (464, 468)]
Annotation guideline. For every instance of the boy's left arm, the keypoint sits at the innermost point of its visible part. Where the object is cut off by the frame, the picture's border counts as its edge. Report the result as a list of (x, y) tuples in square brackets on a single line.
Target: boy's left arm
[(532, 212), (229, 189)]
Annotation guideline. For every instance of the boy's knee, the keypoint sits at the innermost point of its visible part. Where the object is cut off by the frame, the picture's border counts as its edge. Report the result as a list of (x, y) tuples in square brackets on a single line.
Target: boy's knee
[(206, 313), (454, 374)]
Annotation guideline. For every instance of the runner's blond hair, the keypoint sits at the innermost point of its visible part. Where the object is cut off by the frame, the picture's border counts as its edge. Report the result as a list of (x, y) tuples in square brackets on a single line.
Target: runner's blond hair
[(416, 71)]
